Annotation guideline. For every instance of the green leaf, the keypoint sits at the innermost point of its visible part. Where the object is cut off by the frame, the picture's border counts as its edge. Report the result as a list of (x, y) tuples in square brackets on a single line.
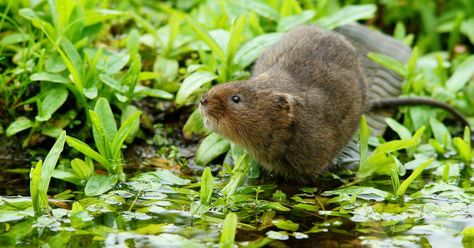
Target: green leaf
[(461, 76), (192, 83), (21, 123), (229, 229), (86, 150), (363, 140), (261, 9), (286, 225), (127, 126), (380, 156), (100, 140), (235, 38), (388, 62), (464, 149), (252, 48), (346, 15), (145, 91), (194, 125), (289, 22), (210, 148), (82, 169), (49, 77), (14, 38), (468, 237), (39, 186), (404, 186), (73, 61), (106, 117), (203, 35), (99, 184), (206, 186), (440, 132), (240, 170), (53, 99), (401, 130)]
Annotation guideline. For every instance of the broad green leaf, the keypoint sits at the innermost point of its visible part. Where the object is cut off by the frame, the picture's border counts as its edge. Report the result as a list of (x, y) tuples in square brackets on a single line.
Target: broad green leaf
[(145, 91), (462, 75), (86, 150), (73, 61), (53, 99), (346, 15), (404, 186), (54, 64), (286, 225), (106, 117), (81, 168), (192, 83), (289, 22), (99, 184), (401, 130), (160, 176), (21, 123), (14, 38), (440, 132), (210, 148), (127, 126), (362, 192), (463, 148), (112, 83), (206, 186), (252, 48), (117, 61), (388, 62), (100, 140), (229, 229), (50, 77)]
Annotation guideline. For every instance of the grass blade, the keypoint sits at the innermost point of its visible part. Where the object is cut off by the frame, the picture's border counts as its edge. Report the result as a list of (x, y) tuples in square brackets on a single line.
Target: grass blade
[(87, 150), (404, 186)]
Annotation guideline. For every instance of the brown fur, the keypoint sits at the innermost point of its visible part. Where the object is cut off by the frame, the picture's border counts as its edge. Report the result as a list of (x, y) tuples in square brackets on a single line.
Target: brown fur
[(301, 106)]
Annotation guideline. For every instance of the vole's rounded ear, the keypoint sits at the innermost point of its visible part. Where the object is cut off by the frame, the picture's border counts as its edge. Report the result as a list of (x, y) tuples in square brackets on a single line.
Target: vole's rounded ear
[(285, 103)]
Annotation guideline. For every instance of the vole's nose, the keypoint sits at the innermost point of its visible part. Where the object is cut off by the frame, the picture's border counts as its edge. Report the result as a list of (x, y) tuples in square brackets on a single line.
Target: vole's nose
[(204, 100)]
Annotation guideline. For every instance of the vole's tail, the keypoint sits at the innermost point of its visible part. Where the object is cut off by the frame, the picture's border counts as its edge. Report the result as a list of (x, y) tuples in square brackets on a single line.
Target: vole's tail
[(383, 104)]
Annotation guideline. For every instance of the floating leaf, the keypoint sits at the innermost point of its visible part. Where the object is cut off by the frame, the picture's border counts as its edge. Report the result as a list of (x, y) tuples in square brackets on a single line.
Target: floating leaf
[(99, 184)]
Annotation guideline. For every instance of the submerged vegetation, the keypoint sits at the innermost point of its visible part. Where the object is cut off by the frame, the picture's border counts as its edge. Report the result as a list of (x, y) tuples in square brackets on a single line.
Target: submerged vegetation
[(101, 143)]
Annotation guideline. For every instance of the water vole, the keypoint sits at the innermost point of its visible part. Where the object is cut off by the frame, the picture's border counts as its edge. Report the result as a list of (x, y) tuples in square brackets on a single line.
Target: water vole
[(295, 113), (303, 103)]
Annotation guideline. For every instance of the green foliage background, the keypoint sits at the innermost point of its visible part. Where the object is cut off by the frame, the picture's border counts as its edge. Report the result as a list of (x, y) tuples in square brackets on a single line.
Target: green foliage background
[(110, 73)]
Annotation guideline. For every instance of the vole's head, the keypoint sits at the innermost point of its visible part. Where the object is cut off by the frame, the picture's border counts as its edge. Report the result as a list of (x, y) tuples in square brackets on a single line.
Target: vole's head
[(245, 114)]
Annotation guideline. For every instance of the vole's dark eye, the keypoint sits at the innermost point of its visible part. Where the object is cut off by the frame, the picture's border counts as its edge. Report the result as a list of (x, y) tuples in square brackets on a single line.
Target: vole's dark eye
[(235, 99)]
